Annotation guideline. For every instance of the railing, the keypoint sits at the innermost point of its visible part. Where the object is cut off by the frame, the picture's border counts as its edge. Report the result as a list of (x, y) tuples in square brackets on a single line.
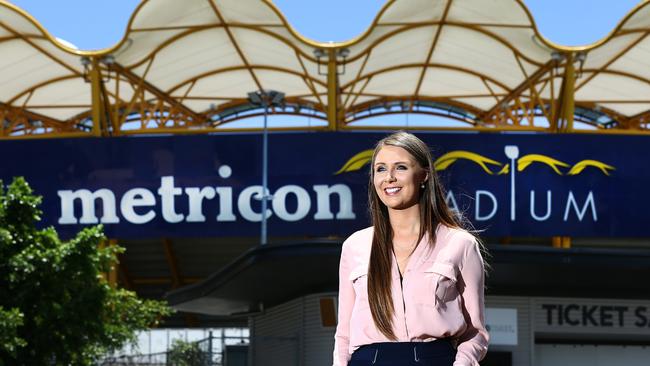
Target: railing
[(212, 353)]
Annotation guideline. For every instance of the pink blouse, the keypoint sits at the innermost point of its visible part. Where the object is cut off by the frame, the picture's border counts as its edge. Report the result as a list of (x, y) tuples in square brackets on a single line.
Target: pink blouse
[(441, 296)]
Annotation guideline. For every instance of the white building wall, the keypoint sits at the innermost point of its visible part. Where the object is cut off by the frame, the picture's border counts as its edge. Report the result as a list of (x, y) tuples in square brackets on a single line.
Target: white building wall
[(318, 340), (275, 335), (293, 334), (296, 326)]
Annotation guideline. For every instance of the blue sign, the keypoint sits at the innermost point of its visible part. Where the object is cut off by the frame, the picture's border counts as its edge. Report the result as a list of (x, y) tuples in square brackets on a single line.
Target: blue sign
[(209, 185)]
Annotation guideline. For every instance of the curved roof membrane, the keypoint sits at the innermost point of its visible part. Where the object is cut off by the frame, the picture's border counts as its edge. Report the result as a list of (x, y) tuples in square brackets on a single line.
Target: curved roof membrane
[(189, 66)]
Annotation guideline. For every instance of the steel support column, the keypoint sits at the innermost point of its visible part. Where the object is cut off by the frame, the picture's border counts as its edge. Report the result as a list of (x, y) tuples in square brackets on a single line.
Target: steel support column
[(564, 119), (96, 97), (332, 90)]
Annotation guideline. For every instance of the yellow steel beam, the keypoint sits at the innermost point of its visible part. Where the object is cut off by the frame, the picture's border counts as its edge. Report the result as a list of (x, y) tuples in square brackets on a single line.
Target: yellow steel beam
[(427, 113), (516, 92), (46, 136), (430, 65), (474, 128), (447, 23), (35, 116), (137, 80), (357, 95), (96, 97), (48, 54), (187, 131), (385, 99), (433, 46), (617, 31), (638, 119), (34, 87), (138, 93), (192, 30), (308, 79), (332, 91), (548, 113), (235, 44), (564, 119), (354, 84), (244, 67), (109, 117), (613, 59)]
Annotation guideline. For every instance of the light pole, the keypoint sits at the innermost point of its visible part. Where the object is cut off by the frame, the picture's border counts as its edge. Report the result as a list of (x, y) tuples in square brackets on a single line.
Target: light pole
[(512, 152), (265, 99)]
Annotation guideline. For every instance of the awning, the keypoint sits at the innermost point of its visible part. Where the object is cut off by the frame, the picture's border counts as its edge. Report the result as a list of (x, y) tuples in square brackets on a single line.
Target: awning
[(267, 276), (188, 66)]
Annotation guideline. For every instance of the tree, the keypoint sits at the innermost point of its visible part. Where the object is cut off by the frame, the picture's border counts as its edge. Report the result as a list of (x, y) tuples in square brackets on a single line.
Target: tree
[(183, 353), (56, 307)]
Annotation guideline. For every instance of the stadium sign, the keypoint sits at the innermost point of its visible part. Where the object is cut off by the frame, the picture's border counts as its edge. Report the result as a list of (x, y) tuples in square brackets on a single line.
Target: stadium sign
[(195, 196), (506, 184)]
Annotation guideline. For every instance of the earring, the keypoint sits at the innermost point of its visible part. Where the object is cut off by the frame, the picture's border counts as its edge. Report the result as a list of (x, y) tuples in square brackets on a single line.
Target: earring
[(422, 185)]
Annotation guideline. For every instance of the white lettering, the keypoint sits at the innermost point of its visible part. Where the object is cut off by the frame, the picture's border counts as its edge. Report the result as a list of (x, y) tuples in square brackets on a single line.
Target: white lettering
[(323, 193), (244, 204), (225, 204), (280, 203), (137, 197), (495, 205), (195, 198), (548, 206), (88, 213), (451, 201), (571, 202), (167, 191)]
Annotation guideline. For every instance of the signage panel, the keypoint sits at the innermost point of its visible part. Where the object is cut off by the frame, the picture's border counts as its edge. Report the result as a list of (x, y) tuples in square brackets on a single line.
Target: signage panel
[(555, 315), (501, 323), (180, 186)]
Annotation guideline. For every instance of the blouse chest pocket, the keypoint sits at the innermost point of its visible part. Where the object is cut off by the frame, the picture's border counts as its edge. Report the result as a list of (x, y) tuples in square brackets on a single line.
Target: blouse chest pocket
[(442, 279), (359, 278)]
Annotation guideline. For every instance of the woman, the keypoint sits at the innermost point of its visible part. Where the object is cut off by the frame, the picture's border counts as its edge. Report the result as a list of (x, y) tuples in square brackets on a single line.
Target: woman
[(410, 286)]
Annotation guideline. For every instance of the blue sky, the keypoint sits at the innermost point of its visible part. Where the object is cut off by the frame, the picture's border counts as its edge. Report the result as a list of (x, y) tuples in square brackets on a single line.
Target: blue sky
[(95, 24)]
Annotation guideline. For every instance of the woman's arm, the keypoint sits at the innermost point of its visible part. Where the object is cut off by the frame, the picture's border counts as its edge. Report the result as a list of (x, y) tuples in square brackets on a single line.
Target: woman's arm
[(473, 343), (346, 302)]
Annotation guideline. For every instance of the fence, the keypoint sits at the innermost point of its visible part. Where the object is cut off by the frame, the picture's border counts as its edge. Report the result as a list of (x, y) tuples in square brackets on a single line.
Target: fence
[(208, 351)]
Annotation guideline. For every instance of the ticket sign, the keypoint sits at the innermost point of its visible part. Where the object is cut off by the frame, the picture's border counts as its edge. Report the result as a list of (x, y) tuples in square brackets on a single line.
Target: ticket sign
[(207, 186), (583, 315)]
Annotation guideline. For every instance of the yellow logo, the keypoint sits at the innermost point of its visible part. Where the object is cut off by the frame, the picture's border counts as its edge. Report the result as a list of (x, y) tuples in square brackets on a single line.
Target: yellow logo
[(359, 160), (356, 162), (451, 157)]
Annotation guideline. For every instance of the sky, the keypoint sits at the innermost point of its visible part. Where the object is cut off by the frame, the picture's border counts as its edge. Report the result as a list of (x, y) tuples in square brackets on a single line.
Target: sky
[(97, 24)]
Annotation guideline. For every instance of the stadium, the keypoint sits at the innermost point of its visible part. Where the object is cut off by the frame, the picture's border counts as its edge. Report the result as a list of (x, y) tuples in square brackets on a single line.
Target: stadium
[(229, 155)]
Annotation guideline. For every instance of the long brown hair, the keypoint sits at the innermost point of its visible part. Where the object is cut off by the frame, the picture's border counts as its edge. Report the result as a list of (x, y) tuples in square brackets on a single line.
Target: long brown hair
[(433, 211)]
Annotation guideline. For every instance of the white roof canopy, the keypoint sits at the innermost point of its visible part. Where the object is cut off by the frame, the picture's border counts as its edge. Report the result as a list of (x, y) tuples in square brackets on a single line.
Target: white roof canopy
[(188, 66)]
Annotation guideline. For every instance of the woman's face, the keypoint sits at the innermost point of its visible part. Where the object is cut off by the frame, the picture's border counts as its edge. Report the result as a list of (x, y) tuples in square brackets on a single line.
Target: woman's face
[(397, 177)]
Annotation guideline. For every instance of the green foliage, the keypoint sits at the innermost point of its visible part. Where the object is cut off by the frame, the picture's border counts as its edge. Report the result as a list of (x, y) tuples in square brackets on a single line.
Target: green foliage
[(184, 353), (56, 307), (10, 320)]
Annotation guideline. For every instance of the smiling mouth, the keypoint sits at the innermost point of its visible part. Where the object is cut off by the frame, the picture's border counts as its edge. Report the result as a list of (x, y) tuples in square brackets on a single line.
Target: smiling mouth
[(392, 190)]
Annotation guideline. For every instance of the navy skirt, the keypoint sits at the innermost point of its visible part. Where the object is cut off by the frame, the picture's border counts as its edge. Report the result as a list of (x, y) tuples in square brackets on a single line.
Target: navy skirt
[(436, 353)]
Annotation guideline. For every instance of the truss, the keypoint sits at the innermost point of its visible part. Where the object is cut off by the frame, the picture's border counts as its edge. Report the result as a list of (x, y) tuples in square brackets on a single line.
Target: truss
[(164, 78)]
